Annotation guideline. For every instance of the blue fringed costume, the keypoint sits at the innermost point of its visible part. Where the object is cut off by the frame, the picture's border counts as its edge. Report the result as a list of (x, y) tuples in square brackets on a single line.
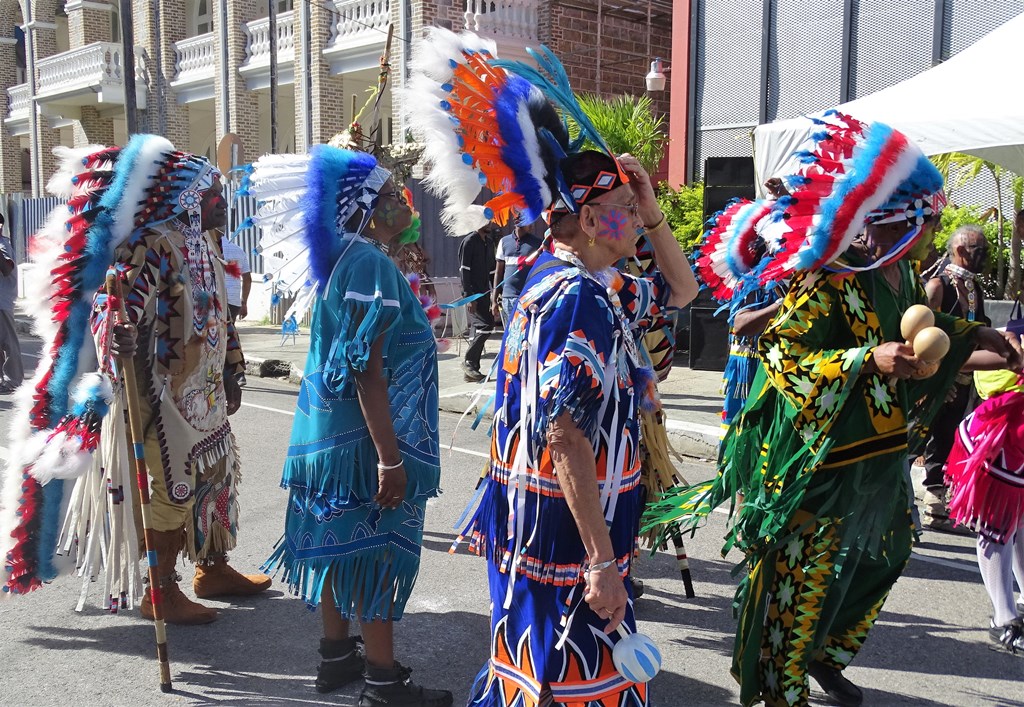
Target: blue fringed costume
[(564, 352), (332, 523)]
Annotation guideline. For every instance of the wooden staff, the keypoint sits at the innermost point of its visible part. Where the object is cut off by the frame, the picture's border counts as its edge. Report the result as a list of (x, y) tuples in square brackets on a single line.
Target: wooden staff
[(131, 392)]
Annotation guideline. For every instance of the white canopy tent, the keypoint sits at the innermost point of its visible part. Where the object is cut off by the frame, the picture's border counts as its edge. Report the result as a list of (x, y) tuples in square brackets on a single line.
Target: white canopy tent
[(971, 103)]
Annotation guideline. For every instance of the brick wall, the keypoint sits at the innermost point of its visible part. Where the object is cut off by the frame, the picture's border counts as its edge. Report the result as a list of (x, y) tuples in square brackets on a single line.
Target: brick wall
[(45, 42), (89, 22), (93, 128), (572, 32), (242, 104), (10, 146), (327, 102)]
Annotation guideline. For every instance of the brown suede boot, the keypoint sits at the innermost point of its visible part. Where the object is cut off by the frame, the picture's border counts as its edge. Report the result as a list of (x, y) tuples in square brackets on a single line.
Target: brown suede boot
[(178, 609), (216, 578)]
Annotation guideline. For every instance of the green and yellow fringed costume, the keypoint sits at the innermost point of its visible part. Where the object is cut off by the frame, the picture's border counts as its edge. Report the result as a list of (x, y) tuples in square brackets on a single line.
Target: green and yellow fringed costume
[(818, 454)]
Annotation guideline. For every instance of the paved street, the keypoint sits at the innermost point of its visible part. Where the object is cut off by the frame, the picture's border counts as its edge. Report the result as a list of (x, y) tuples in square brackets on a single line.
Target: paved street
[(929, 647)]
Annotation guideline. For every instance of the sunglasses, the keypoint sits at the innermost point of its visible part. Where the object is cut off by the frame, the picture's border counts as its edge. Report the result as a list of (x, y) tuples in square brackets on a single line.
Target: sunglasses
[(397, 195)]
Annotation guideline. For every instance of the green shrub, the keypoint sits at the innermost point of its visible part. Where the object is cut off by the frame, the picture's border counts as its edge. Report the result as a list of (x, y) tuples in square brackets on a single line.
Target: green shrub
[(684, 210)]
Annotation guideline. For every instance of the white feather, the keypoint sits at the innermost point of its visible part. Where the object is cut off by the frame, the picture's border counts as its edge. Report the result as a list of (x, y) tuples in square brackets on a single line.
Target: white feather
[(141, 180), (69, 163)]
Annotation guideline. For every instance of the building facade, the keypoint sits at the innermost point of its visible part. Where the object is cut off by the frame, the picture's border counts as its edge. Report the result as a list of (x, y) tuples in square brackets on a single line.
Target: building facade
[(202, 67), (740, 63)]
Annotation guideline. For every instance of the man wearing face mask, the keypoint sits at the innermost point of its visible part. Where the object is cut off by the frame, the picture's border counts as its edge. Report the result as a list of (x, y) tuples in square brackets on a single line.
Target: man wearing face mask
[(955, 290)]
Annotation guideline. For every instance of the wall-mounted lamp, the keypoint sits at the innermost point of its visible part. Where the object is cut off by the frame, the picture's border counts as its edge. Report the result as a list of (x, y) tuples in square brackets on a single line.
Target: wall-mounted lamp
[(656, 77)]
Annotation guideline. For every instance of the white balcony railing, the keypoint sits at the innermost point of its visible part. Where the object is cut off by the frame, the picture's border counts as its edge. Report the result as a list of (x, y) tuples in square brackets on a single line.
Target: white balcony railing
[(257, 47), (356, 20), (18, 102), (195, 59), (95, 67), (503, 19)]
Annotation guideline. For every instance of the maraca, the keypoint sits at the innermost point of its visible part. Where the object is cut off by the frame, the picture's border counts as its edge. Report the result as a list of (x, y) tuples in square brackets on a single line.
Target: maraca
[(916, 318), (635, 656), (930, 345), (918, 324)]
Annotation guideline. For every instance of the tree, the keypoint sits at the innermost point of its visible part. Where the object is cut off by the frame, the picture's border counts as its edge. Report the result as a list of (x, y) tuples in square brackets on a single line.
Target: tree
[(628, 124), (964, 169), (684, 211)]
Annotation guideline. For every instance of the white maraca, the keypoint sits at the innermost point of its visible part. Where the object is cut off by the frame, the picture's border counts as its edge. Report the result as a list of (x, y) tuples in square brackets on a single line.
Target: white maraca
[(635, 656), (930, 343)]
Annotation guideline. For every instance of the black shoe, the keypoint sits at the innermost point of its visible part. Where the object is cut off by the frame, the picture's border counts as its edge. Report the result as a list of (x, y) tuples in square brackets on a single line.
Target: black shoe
[(342, 663), (843, 692), (638, 587), (392, 687), (472, 375), (1009, 637)]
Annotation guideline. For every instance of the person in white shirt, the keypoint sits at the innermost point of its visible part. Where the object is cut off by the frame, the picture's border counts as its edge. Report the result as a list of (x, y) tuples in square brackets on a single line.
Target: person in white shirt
[(238, 280)]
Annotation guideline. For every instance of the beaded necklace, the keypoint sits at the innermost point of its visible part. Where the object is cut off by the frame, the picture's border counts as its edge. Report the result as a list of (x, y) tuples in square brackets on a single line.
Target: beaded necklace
[(969, 279)]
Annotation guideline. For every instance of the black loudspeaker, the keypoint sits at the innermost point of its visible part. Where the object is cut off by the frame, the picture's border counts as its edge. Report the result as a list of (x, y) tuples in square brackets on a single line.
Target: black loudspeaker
[(728, 171), (709, 339), (726, 178)]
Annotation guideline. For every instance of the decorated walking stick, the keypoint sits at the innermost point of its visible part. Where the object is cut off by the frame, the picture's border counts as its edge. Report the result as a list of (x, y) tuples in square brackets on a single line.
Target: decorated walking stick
[(131, 391)]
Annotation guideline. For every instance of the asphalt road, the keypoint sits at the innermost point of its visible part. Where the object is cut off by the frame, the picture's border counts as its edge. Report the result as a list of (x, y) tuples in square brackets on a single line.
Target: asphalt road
[(929, 647)]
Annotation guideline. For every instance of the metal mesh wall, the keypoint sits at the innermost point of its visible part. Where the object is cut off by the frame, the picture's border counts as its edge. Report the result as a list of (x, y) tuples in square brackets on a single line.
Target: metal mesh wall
[(964, 22), (728, 77), (889, 42), (804, 57), (732, 142)]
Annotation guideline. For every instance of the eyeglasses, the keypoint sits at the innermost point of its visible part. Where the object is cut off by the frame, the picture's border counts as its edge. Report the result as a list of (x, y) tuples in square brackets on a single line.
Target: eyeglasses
[(397, 195), (633, 209)]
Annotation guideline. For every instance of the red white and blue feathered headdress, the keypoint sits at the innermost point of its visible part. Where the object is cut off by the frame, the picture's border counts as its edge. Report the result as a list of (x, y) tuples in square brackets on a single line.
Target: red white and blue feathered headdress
[(733, 250), (854, 173), (110, 192)]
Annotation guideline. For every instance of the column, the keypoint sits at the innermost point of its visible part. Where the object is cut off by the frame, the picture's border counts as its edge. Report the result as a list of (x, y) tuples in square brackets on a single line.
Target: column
[(327, 101), (89, 21), (242, 105), (10, 148)]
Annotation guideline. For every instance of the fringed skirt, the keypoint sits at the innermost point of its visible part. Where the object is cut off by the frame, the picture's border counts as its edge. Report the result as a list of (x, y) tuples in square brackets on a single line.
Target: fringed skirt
[(985, 469), (371, 554)]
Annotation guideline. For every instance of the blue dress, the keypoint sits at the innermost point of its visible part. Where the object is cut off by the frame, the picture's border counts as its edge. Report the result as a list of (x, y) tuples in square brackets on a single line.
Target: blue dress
[(332, 524), (570, 348)]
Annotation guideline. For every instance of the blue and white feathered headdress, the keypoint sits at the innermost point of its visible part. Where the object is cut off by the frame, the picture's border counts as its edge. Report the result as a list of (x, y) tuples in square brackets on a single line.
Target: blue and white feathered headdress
[(304, 203)]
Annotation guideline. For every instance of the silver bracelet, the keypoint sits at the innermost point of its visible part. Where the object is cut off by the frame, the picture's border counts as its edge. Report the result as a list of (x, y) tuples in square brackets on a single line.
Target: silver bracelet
[(385, 467), (600, 566)]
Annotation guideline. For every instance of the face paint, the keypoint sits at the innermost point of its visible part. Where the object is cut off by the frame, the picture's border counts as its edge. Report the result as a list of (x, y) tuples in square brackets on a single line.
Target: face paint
[(614, 225)]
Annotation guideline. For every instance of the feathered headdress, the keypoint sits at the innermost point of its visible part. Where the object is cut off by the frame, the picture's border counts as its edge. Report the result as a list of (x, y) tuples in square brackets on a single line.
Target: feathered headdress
[(110, 193), (483, 126), (304, 203), (854, 173), (733, 251)]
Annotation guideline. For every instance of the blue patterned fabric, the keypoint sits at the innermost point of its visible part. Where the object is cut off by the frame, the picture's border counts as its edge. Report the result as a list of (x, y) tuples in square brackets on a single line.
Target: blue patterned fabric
[(332, 524), (563, 352), (744, 360)]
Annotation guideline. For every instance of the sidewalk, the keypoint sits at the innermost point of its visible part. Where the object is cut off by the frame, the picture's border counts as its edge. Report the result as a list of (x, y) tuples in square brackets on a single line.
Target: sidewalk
[(691, 399)]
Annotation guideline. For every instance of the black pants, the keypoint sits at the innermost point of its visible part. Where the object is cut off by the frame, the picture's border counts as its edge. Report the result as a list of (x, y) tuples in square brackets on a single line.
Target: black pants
[(481, 321), (942, 434)]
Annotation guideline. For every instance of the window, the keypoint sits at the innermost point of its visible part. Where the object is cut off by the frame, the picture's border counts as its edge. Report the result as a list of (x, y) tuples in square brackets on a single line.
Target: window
[(115, 27), (204, 16)]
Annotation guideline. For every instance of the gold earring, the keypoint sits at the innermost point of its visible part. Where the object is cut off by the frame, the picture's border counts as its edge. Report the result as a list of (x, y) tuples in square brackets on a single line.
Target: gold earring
[(591, 241), (373, 225)]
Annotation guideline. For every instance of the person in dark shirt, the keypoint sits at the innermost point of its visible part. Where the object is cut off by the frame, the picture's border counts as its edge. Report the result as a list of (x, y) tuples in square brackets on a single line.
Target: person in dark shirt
[(511, 262), (954, 290), (476, 268)]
